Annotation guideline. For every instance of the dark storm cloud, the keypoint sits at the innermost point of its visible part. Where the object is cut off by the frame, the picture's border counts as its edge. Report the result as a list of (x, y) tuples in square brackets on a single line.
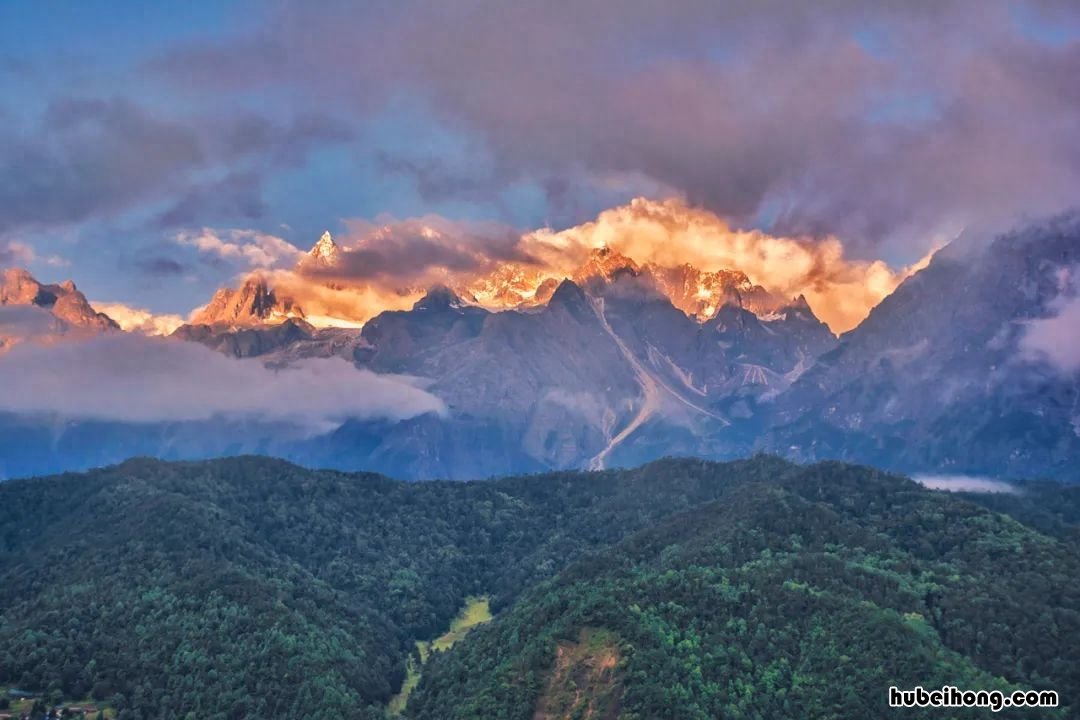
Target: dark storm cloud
[(871, 120), (88, 158)]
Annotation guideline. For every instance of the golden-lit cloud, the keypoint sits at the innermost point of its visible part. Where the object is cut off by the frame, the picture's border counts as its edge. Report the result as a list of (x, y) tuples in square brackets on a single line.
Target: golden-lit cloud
[(254, 249), (339, 305), (841, 291), (389, 266), (133, 319)]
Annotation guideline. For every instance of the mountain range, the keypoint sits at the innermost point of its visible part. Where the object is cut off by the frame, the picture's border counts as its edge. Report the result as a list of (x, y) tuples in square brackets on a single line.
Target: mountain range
[(41, 310), (619, 363)]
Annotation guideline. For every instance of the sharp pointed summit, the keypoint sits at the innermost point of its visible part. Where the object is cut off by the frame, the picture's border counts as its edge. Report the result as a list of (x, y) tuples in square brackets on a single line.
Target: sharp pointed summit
[(254, 303), (605, 263), (325, 251)]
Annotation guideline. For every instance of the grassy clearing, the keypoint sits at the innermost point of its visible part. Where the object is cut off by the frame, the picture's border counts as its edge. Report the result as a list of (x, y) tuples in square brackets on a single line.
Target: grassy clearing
[(476, 611)]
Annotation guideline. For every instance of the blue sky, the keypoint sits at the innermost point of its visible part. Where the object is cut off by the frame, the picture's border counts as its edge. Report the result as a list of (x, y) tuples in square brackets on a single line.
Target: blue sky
[(888, 125)]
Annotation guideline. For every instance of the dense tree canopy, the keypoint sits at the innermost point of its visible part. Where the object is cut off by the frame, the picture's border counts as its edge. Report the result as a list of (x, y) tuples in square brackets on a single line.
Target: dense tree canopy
[(804, 598), (250, 587)]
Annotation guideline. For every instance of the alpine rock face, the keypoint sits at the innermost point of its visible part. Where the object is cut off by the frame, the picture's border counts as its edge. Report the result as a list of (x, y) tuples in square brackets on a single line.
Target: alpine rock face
[(940, 376), (253, 303), (602, 374), (702, 294), (45, 311), (624, 362), (325, 253)]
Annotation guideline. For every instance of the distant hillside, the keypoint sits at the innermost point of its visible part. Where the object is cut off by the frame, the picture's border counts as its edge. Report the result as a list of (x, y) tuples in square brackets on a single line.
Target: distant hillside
[(803, 598), (250, 587), (253, 588)]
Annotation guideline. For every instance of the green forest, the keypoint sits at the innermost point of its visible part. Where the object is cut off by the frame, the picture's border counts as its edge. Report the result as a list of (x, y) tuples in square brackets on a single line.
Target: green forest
[(253, 588)]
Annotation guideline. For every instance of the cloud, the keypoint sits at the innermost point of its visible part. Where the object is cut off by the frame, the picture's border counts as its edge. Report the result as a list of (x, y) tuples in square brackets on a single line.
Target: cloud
[(877, 122), (15, 253), (19, 323), (29, 323), (342, 303), (237, 195), (842, 291), (389, 266), (287, 143), (132, 319), (248, 248), (965, 483), (160, 266), (421, 250), (131, 378), (1054, 339), (90, 158)]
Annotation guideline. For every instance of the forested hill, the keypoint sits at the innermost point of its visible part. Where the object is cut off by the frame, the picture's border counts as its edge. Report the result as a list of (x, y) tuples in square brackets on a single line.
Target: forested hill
[(250, 587), (805, 598)]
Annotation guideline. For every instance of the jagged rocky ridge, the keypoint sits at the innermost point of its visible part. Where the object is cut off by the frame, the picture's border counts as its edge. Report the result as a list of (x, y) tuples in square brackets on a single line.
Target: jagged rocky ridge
[(609, 371), (31, 309)]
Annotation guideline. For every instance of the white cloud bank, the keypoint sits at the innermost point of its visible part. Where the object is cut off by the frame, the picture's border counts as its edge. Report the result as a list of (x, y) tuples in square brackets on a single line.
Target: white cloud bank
[(964, 483), (132, 378), (1055, 339), (134, 319)]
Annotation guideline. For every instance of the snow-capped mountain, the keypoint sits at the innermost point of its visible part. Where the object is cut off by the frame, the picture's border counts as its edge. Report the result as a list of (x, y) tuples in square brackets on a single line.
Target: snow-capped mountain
[(702, 294), (616, 368), (256, 302), (253, 303), (508, 286), (324, 253)]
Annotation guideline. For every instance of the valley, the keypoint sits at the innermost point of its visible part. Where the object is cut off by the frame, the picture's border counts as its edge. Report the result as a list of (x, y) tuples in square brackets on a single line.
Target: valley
[(476, 611)]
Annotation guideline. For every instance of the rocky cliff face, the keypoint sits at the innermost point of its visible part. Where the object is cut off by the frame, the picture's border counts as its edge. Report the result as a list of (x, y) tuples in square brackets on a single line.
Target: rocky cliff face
[(45, 312), (253, 303), (703, 294), (609, 371), (938, 375)]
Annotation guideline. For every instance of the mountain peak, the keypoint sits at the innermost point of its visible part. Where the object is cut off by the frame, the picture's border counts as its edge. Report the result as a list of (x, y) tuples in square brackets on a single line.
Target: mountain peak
[(63, 300), (18, 287), (253, 303), (605, 262), (439, 297), (570, 296), (325, 250)]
